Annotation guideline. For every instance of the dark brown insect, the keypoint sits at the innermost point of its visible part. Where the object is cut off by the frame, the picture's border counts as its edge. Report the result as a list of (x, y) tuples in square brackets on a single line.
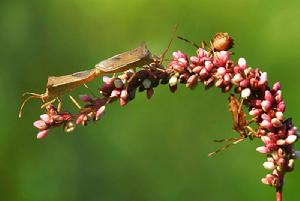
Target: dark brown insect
[(240, 124)]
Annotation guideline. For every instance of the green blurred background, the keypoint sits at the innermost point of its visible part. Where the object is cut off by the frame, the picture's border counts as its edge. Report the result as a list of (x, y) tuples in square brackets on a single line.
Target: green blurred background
[(149, 150)]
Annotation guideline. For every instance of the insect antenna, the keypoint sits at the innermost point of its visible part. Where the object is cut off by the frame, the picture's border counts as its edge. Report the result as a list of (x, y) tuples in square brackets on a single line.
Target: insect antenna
[(225, 147), (169, 44), (188, 41), (32, 95), (228, 139)]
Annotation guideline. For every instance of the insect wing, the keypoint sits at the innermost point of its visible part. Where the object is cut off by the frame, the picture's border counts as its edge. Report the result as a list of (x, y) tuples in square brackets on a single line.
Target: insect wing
[(139, 56)]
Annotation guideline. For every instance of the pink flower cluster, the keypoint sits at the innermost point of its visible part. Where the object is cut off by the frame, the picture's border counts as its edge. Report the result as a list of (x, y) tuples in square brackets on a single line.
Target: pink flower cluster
[(53, 119), (211, 67), (265, 104)]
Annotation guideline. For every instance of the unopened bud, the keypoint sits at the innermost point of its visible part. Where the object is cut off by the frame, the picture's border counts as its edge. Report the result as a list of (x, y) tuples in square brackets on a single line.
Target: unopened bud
[(173, 81), (118, 83), (245, 93), (222, 41), (269, 165), (69, 126), (42, 134), (291, 139)]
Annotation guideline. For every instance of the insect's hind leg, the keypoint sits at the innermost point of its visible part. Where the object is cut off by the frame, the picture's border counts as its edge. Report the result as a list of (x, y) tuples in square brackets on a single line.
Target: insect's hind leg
[(75, 102)]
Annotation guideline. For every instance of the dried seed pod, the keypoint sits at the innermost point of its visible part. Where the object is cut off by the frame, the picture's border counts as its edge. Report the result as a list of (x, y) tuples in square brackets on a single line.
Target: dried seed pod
[(222, 42)]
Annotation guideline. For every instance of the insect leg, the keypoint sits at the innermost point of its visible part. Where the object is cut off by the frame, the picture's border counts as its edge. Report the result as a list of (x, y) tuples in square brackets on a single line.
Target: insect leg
[(59, 106), (203, 44), (170, 42), (48, 103), (75, 102), (33, 95), (86, 86)]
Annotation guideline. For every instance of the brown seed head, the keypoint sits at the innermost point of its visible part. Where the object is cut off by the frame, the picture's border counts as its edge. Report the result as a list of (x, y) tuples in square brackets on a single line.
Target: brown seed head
[(222, 41)]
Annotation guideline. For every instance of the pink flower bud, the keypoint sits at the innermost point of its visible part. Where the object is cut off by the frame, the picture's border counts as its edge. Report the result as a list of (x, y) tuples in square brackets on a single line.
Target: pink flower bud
[(219, 82), (244, 83), (227, 78), (173, 81), (266, 124), (255, 112), (278, 96), (203, 73), (276, 86), (247, 71), (124, 94), (123, 102), (263, 78), (150, 93), (197, 69), (269, 165), (279, 115), (293, 131), (281, 106), (85, 98), (183, 61), (276, 122), (266, 105), (208, 65), (106, 80), (100, 112), (268, 96), (221, 71), (80, 119), (262, 150), (280, 142), (237, 78), (265, 139), (270, 180), (195, 60), (291, 164), (42, 134), (201, 53), (177, 55), (115, 93), (245, 93), (220, 58), (40, 124), (242, 63), (291, 139), (265, 181), (192, 81), (265, 116), (46, 118), (178, 68)]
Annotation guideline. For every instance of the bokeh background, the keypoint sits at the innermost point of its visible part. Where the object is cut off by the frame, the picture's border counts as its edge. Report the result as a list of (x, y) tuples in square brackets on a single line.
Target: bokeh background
[(149, 150)]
